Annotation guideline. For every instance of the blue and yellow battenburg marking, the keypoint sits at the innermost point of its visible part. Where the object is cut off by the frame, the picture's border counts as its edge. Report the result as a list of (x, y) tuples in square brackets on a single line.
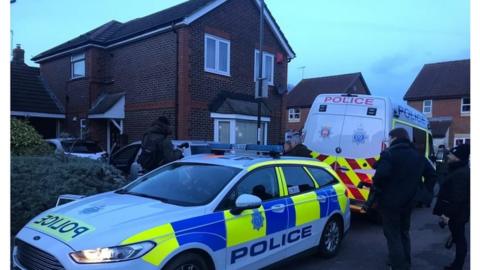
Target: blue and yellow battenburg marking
[(220, 230)]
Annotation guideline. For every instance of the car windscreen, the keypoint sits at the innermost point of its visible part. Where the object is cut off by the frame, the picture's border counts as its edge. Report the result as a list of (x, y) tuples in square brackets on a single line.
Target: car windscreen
[(81, 147), (187, 184)]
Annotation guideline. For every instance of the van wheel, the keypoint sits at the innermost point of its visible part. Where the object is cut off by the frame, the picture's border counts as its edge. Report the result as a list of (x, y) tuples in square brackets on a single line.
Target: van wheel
[(331, 237), (187, 261)]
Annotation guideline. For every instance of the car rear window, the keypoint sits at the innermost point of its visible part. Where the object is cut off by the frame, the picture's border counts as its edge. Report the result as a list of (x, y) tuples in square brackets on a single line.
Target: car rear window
[(81, 147), (187, 184)]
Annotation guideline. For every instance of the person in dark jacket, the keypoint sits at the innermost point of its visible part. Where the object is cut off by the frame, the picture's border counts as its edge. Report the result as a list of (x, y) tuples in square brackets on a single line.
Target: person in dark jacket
[(396, 183), (295, 147), (453, 201), (157, 148)]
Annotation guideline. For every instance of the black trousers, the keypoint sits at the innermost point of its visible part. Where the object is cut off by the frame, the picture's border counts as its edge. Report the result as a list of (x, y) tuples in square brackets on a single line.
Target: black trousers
[(457, 228), (396, 227)]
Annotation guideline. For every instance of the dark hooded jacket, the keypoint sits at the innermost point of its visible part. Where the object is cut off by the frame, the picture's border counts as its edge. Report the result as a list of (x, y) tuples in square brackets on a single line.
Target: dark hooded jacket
[(299, 150), (454, 195), (398, 178), (155, 140)]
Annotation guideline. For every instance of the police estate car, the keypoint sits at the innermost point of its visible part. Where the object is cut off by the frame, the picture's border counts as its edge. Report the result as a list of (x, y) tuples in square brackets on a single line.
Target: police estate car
[(211, 211)]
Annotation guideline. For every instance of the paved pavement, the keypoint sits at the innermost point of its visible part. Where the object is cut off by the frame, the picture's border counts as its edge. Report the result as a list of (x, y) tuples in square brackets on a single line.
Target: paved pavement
[(364, 247)]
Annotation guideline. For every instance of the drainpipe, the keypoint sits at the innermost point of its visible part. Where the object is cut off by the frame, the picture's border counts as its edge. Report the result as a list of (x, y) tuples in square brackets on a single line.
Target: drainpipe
[(177, 96)]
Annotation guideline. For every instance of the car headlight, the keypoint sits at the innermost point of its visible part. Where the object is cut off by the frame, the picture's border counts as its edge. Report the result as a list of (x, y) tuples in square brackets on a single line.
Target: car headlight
[(112, 254)]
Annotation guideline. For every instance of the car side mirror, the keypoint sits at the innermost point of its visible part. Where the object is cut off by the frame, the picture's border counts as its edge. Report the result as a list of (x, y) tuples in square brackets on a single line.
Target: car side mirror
[(244, 202)]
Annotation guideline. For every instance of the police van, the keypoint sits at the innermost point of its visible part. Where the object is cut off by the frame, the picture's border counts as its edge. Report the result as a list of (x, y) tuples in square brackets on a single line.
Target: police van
[(209, 211), (348, 132)]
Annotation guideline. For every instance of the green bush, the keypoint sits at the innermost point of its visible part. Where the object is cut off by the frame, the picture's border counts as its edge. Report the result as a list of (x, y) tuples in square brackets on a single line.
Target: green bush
[(36, 183), (25, 140)]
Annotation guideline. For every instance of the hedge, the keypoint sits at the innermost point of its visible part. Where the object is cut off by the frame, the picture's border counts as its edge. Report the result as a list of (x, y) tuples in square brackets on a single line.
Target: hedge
[(25, 140), (36, 183)]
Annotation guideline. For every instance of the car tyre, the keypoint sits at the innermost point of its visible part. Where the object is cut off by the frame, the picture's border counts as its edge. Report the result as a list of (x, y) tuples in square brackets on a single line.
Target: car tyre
[(188, 261), (331, 238)]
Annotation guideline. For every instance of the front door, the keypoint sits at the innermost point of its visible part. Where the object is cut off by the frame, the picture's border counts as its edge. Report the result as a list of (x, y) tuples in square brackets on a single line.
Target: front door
[(249, 234)]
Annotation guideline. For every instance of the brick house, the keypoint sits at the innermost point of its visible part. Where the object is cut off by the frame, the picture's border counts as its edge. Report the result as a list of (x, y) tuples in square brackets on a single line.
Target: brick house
[(442, 92), (193, 63), (31, 99), (301, 98)]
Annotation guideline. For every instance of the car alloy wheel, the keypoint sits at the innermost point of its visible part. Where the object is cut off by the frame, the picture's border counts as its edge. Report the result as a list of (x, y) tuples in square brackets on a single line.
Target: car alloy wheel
[(332, 236), (188, 267)]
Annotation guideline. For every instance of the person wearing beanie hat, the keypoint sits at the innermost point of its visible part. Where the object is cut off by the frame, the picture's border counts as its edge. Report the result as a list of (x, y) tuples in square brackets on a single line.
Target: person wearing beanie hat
[(453, 203)]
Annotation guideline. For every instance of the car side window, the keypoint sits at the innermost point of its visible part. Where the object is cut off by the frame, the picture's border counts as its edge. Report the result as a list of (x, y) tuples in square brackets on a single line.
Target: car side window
[(261, 182), (322, 177), (297, 180)]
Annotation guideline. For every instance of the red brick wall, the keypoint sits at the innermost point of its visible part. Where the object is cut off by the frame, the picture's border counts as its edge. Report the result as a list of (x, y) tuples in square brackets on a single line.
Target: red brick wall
[(296, 126), (448, 107), (237, 21), (147, 71)]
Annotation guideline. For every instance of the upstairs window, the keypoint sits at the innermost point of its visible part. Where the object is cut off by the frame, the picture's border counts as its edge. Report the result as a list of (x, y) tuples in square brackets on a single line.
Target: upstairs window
[(293, 115), (268, 67), (427, 106), (217, 55), (465, 105), (78, 65)]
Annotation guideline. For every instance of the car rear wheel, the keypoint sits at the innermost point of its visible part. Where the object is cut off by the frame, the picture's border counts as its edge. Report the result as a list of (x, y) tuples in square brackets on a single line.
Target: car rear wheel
[(331, 237), (188, 261)]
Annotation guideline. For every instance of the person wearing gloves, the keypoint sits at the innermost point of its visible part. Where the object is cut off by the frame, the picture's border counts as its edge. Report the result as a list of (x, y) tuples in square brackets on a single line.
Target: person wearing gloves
[(453, 203)]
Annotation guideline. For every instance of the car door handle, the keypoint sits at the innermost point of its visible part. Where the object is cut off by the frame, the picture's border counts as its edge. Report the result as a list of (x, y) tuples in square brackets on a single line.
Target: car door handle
[(322, 199), (278, 208), (343, 168)]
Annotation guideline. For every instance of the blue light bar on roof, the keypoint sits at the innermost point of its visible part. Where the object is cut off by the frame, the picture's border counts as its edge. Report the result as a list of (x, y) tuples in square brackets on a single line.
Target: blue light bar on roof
[(264, 148)]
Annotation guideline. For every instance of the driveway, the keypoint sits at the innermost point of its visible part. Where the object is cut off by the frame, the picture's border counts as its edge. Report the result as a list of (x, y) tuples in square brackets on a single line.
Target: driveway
[(364, 247)]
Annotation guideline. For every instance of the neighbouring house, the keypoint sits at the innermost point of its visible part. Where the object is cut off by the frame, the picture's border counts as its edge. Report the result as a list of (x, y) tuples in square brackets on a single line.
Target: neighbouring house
[(194, 63), (301, 97), (31, 99), (442, 92)]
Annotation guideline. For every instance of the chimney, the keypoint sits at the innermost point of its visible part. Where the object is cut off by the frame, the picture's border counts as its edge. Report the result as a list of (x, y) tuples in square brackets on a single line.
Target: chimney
[(18, 55)]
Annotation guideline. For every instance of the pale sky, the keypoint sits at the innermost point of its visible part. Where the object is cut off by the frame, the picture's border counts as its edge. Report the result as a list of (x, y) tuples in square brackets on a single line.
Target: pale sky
[(388, 41)]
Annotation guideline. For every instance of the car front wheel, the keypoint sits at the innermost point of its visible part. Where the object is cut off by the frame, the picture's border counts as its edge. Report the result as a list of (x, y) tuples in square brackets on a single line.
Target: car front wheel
[(188, 261), (331, 237)]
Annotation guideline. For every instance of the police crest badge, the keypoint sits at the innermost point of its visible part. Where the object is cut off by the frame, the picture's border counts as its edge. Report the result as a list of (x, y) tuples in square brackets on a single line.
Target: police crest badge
[(257, 220), (359, 136)]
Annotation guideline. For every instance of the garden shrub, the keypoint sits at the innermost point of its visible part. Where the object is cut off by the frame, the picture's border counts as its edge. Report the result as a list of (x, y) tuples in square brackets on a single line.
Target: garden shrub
[(36, 183), (25, 140)]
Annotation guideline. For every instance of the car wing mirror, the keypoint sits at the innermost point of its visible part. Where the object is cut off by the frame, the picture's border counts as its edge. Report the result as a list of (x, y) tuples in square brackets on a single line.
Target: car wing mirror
[(244, 202), (66, 198)]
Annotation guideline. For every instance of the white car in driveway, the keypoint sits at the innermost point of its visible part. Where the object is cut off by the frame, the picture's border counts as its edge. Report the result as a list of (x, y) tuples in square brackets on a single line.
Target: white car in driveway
[(204, 212), (77, 147)]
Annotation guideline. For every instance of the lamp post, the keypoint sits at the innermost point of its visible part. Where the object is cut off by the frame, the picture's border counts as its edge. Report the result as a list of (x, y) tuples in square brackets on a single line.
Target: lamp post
[(260, 77)]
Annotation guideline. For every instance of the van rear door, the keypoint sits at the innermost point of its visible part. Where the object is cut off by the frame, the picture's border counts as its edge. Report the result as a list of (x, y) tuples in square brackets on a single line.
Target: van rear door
[(348, 132)]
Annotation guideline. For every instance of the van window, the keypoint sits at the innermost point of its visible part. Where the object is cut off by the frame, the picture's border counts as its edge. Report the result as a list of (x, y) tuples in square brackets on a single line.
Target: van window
[(420, 140), (409, 129)]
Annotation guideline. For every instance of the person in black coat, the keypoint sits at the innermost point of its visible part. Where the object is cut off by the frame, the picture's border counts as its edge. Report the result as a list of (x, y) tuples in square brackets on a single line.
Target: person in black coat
[(453, 202), (396, 184)]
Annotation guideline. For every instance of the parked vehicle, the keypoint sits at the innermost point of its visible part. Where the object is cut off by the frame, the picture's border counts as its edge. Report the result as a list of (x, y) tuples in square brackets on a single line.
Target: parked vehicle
[(349, 132), (77, 147), (125, 159), (222, 211)]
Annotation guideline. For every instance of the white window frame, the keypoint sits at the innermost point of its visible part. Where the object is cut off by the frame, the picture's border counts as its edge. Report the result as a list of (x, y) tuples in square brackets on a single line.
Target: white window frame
[(424, 106), (291, 115), (462, 112), (232, 119), (217, 40), (75, 59), (255, 67), (462, 137)]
